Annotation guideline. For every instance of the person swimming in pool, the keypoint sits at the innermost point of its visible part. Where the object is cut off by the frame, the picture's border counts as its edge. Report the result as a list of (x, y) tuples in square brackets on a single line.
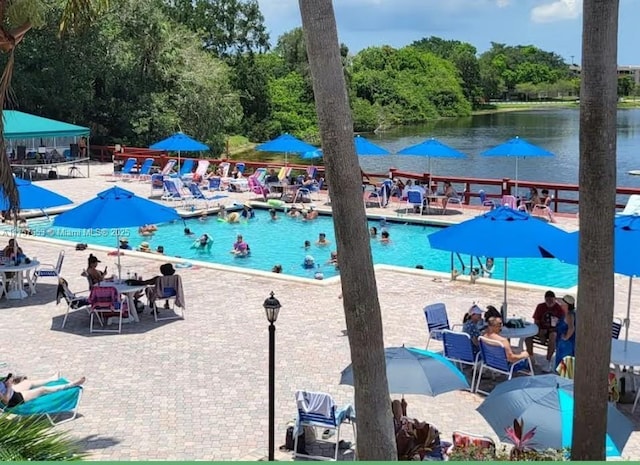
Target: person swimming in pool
[(240, 247), (273, 215), (373, 232), (322, 240), (187, 232), (309, 262), (384, 237)]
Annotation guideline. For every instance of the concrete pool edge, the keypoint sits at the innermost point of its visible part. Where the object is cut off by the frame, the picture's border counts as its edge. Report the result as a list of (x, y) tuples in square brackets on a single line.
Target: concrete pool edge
[(296, 279)]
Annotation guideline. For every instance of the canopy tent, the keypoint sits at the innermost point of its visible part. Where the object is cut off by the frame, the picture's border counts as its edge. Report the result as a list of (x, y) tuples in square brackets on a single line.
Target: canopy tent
[(19, 125)]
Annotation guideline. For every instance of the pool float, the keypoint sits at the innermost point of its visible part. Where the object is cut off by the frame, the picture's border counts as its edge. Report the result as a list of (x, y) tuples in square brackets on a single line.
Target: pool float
[(275, 203), (233, 217), (115, 253)]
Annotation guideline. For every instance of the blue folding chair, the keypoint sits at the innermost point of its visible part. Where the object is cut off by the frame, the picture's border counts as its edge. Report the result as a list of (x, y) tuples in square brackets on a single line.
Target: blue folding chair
[(494, 358), (187, 168), (437, 321), (125, 172), (458, 348), (199, 195)]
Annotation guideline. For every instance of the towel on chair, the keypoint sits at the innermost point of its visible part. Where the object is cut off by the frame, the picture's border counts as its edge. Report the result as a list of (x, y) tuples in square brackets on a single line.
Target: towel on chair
[(315, 402), (173, 282), (55, 402)]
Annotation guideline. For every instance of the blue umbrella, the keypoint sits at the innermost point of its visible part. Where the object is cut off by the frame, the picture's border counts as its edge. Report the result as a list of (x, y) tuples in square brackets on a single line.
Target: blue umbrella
[(415, 371), (517, 148), (286, 143), (502, 232), (179, 142), (115, 208), (366, 147), (34, 197), (432, 148), (626, 253), (545, 402)]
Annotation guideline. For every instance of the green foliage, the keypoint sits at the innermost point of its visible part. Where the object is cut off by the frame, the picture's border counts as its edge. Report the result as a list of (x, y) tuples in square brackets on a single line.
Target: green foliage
[(26, 11), (33, 439), (503, 454), (290, 103)]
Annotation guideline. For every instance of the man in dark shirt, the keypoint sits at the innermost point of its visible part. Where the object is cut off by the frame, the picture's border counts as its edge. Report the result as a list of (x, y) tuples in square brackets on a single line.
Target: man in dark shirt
[(546, 316), (272, 177)]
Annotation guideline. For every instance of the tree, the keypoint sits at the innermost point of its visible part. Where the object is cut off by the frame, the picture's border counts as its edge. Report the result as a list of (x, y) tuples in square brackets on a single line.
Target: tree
[(360, 296), (597, 175), (16, 19)]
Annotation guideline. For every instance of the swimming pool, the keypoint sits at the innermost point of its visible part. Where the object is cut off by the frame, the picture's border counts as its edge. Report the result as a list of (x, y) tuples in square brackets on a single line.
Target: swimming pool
[(281, 242)]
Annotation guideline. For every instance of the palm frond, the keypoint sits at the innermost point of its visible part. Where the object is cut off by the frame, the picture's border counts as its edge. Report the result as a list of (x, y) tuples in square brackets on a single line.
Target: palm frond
[(78, 14), (30, 438)]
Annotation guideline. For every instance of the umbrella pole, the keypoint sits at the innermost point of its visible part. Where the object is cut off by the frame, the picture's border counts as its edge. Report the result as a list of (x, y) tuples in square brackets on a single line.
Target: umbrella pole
[(118, 250), (627, 319), (179, 164), (516, 194), (504, 304)]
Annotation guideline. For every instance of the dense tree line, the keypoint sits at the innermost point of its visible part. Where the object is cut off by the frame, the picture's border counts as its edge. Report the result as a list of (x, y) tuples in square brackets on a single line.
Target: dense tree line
[(148, 68)]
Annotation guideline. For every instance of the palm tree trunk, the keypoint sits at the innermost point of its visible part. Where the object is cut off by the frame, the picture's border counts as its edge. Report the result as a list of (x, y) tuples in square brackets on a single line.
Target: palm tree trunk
[(598, 101), (376, 440)]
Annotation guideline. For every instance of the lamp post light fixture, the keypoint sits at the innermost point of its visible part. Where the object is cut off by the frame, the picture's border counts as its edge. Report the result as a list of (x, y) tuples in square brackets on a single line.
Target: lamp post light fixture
[(272, 308)]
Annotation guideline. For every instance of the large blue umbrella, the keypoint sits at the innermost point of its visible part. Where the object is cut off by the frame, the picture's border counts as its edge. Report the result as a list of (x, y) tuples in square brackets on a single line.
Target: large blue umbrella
[(179, 142), (545, 402), (626, 253), (115, 208), (517, 148), (34, 197), (366, 147), (416, 371), (432, 148), (286, 143), (502, 232)]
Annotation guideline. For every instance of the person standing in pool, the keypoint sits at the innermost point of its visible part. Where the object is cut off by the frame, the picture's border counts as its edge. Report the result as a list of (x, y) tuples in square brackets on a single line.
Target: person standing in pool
[(322, 240)]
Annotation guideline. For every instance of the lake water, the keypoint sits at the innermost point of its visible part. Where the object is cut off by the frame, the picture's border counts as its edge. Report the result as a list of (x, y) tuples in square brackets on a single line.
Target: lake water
[(557, 130)]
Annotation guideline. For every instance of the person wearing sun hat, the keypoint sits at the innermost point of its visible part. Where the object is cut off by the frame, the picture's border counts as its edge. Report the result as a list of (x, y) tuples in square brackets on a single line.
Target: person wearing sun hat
[(124, 244), (247, 211), (472, 326), (144, 247), (566, 329)]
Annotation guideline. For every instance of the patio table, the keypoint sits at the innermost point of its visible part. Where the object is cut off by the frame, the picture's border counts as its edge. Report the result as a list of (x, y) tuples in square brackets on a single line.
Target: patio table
[(628, 358), (529, 330), (17, 292)]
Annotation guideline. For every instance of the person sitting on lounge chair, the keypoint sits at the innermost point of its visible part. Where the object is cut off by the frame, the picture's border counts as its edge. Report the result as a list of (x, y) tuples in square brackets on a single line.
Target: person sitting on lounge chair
[(18, 390)]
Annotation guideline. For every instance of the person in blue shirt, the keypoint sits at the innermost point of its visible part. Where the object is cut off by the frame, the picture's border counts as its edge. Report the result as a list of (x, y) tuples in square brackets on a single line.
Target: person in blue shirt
[(566, 329), (471, 326), (124, 244)]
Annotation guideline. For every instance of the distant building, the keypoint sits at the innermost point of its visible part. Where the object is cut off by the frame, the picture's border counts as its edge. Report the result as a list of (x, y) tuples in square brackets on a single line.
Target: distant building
[(632, 71)]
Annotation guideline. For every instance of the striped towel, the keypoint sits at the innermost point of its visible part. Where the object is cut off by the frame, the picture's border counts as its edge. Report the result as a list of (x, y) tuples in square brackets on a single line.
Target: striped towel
[(566, 368)]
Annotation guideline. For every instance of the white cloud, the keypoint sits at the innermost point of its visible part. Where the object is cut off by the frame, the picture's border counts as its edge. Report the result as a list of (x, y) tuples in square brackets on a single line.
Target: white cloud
[(503, 3), (558, 10)]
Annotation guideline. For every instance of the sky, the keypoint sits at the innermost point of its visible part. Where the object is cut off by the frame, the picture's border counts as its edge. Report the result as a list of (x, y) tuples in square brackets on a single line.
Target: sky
[(552, 25)]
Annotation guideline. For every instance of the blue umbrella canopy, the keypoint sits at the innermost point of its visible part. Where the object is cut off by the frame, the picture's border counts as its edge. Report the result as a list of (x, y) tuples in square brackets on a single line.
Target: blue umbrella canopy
[(115, 208), (502, 232), (517, 148), (545, 402), (179, 142), (286, 143), (415, 371), (34, 197), (432, 148), (366, 147)]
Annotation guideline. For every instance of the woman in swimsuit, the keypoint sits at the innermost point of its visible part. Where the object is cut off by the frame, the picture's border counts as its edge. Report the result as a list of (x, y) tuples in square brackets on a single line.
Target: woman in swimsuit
[(18, 390)]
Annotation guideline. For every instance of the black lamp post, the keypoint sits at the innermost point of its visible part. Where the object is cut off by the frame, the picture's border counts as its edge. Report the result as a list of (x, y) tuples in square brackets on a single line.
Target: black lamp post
[(272, 308)]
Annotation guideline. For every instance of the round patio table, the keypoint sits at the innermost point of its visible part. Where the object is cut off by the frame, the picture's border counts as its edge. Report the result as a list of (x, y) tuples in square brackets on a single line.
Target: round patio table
[(629, 357), (529, 330), (15, 287)]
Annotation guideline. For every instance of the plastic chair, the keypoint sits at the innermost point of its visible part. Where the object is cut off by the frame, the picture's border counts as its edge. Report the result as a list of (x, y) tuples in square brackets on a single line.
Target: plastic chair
[(74, 301), (494, 358), (50, 404), (509, 201), (311, 412), (145, 169), (415, 198), (168, 288), (484, 201), (48, 270), (187, 167), (616, 327), (125, 172), (302, 194), (437, 321), (215, 183), (105, 302), (458, 348)]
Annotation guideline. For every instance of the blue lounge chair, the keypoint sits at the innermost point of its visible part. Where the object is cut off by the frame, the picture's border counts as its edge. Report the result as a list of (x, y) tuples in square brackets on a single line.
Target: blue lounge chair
[(199, 195), (145, 169), (187, 168), (173, 193), (51, 404), (494, 358), (126, 169)]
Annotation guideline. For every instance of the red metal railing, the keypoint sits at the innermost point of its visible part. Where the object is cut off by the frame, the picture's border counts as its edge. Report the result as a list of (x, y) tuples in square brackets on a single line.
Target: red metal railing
[(563, 194)]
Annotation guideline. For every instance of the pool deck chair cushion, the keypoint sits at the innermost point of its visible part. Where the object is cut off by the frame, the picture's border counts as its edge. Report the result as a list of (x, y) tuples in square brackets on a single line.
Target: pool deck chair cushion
[(56, 403), (318, 409)]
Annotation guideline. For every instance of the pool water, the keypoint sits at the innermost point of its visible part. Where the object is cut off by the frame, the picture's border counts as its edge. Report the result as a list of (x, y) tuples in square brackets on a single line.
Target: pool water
[(281, 242)]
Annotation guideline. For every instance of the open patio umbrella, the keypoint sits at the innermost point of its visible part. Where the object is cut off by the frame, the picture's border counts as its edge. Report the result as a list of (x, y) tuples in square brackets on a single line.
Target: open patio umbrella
[(115, 208), (179, 142), (286, 143), (365, 147), (626, 254), (517, 148), (502, 232), (416, 371), (545, 402), (33, 197), (431, 148)]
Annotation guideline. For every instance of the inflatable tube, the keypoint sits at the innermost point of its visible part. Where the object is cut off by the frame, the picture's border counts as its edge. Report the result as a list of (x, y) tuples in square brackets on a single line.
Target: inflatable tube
[(275, 203), (222, 220), (184, 265)]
